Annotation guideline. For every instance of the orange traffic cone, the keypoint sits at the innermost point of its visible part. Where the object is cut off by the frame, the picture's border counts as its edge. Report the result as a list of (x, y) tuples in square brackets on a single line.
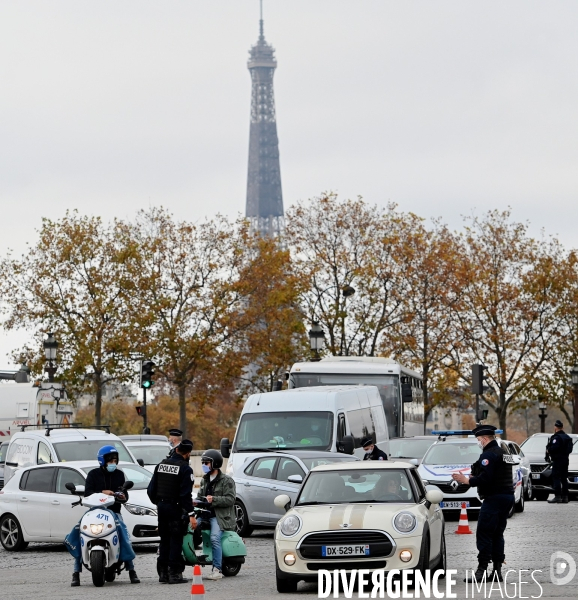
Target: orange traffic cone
[(198, 587), (463, 525)]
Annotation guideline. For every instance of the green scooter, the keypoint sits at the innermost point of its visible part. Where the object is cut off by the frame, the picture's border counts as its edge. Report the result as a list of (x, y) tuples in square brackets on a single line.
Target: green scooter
[(234, 550)]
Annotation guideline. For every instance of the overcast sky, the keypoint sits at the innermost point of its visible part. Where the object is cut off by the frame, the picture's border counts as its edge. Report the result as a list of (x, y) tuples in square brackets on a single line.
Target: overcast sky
[(446, 107)]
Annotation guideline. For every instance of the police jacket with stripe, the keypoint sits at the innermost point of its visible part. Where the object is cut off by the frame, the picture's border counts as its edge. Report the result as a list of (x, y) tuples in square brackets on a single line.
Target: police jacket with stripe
[(492, 472), (172, 481)]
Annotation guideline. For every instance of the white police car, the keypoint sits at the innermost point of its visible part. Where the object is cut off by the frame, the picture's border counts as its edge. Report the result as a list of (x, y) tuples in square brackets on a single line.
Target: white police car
[(452, 454)]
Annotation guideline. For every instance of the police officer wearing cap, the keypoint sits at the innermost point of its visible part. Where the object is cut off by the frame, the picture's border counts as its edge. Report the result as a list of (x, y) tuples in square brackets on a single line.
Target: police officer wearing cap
[(171, 489), (372, 452), (175, 438), (492, 475), (558, 450)]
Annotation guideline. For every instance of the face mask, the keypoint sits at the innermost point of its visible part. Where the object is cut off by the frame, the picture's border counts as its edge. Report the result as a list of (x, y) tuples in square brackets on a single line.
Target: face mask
[(171, 444), (206, 468), (110, 468), (481, 444), (370, 450)]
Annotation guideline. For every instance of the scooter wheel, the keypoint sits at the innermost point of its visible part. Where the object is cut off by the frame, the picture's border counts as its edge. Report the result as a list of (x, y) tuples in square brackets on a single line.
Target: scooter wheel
[(97, 568), (231, 569)]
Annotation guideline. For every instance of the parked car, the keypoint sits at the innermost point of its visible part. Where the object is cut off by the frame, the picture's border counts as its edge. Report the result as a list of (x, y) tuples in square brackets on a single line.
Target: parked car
[(35, 505), (534, 448), (515, 450), (44, 445), (3, 450), (150, 449), (411, 449), (366, 515), (456, 455), (264, 475)]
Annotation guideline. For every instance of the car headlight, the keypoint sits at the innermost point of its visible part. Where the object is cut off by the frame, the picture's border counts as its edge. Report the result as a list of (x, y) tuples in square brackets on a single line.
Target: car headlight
[(140, 510), (290, 525), (404, 522), (96, 529)]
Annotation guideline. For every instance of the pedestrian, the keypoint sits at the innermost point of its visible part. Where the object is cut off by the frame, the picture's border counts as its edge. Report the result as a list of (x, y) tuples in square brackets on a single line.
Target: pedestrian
[(219, 491), (558, 450), (175, 438), (171, 489), (372, 452), (107, 479), (492, 475)]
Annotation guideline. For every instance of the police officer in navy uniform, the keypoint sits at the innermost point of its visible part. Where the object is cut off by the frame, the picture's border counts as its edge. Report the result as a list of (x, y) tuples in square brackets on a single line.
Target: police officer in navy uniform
[(372, 452), (558, 450), (492, 475), (171, 489), (175, 438)]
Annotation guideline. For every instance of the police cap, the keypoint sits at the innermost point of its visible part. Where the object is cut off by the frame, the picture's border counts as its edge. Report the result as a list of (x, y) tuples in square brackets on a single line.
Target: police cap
[(367, 441), (185, 446), (175, 432), (559, 423), (484, 430)]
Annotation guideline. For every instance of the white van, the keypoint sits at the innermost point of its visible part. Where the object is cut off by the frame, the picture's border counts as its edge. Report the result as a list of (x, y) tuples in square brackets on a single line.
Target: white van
[(331, 419), (59, 444)]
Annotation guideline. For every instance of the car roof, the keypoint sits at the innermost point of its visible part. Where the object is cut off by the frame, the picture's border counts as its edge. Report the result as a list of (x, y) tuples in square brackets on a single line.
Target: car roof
[(144, 438), (131, 443), (68, 433), (77, 464), (365, 465)]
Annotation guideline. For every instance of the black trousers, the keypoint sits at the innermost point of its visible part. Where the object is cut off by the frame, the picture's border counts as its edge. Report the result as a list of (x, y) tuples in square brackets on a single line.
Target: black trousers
[(492, 522), (171, 531), (560, 476)]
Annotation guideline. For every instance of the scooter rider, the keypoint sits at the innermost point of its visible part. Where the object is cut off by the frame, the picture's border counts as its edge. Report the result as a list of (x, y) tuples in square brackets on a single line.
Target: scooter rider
[(106, 479), (219, 490), (171, 489)]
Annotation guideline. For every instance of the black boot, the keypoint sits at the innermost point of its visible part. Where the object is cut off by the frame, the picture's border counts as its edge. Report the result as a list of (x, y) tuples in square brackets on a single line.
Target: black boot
[(164, 575), (496, 574), (555, 500), (176, 577), (564, 499), (478, 575), (75, 580), (133, 577)]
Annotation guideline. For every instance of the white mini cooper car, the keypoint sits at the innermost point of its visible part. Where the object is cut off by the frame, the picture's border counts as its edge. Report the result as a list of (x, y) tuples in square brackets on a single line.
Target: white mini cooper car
[(365, 515)]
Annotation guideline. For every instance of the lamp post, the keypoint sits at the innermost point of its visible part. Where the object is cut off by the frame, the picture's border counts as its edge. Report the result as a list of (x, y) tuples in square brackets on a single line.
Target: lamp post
[(50, 348), (574, 376), (316, 340), (542, 415)]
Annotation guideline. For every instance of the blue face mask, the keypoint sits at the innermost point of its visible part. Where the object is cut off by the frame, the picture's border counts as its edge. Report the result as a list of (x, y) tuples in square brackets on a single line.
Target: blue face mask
[(206, 468), (110, 468)]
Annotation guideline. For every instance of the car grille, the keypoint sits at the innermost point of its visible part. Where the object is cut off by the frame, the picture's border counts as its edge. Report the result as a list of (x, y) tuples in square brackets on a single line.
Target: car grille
[(379, 544), (347, 565), (539, 468), (446, 487)]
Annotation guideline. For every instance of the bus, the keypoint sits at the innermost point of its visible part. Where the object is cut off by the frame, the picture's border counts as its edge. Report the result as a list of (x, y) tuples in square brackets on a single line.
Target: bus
[(400, 388)]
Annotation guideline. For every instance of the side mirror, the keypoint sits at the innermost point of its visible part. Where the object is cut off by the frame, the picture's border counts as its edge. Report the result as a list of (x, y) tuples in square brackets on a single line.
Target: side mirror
[(127, 485), (283, 501), (406, 392), (295, 479), (140, 461), (225, 447), (414, 461), (347, 445), (434, 496), (70, 487)]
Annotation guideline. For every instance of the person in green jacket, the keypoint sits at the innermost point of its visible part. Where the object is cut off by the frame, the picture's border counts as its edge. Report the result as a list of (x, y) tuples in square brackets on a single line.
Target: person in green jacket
[(219, 491)]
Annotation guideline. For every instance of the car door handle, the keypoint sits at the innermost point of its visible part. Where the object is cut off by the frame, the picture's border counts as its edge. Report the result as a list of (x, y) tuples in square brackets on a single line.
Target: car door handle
[(274, 489), (55, 502), (23, 499), (247, 484)]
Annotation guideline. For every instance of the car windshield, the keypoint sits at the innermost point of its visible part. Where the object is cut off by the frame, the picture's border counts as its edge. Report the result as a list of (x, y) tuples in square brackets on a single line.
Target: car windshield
[(311, 463), (408, 448), (538, 443), (356, 486), (151, 455), (310, 430), (447, 454), (88, 449), (139, 476)]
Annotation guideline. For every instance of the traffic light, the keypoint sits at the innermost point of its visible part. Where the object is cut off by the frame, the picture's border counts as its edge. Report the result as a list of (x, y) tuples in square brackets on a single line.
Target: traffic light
[(477, 379), (147, 371)]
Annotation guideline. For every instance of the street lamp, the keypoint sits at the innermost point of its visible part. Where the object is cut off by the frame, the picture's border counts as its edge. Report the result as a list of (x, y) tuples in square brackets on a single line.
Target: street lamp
[(542, 415), (574, 378), (316, 340), (50, 348)]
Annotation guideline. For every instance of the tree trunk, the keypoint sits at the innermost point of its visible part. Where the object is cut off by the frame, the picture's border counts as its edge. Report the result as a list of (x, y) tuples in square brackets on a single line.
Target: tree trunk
[(98, 403), (503, 415), (183, 411)]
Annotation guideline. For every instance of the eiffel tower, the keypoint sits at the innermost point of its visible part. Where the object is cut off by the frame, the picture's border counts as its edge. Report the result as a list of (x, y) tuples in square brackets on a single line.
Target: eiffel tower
[(264, 197)]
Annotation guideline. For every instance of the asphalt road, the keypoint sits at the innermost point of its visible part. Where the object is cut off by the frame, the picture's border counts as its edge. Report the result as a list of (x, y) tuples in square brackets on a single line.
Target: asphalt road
[(44, 571)]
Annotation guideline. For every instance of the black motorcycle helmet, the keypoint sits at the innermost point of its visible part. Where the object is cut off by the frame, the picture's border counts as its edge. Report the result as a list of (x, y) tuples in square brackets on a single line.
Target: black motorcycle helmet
[(214, 456)]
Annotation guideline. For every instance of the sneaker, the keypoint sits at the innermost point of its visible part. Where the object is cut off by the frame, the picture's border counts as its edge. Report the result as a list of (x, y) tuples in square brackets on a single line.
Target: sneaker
[(214, 575)]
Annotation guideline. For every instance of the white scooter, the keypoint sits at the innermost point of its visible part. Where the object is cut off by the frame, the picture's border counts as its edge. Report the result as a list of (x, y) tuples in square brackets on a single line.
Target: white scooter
[(99, 537)]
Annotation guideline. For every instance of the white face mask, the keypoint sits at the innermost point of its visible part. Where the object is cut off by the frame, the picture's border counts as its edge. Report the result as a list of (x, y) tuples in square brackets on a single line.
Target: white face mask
[(481, 444)]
